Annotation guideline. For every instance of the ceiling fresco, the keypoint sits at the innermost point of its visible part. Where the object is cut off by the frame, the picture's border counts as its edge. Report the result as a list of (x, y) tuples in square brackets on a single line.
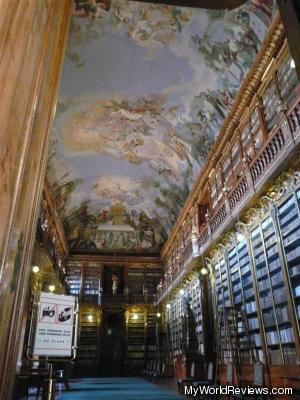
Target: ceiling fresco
[(144, 91)]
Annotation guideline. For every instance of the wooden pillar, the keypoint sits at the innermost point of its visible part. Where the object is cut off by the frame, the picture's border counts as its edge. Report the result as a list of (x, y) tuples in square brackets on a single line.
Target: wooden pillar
[(290, 15), (32, 43)]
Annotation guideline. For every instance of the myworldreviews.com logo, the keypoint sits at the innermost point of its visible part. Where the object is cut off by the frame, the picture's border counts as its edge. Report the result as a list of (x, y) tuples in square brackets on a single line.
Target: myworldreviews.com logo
[(232, 390)]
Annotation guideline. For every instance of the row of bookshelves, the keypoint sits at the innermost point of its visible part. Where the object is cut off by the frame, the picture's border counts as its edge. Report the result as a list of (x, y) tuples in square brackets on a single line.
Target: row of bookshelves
[(184, 307), (85, 281), (273, 256), (140, 339)]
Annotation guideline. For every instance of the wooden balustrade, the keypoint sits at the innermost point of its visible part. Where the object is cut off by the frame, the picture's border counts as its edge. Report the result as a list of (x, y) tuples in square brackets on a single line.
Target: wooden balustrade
[(218, 217), (203, 236), (260, 166), (285, 135), (107, 299), (187, 251), (238, 192), (268, 155)]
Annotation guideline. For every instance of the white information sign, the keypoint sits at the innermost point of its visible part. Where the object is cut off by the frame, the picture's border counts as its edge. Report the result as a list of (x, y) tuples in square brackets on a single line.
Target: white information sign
[(54, 329)]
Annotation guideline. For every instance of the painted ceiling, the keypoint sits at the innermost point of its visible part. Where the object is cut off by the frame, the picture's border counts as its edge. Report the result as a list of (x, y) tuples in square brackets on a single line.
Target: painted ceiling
[(144, 91)]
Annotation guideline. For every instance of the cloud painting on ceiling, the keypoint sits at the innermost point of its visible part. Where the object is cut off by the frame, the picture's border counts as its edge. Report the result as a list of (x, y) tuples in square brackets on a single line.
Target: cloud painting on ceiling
[(144, 91)]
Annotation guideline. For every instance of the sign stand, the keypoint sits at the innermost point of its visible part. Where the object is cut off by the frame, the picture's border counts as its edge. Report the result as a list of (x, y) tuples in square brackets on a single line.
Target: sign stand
[(39, 328)]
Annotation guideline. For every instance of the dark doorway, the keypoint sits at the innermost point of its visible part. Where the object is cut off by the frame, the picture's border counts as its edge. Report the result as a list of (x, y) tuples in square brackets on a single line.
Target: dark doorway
[(113, 333)]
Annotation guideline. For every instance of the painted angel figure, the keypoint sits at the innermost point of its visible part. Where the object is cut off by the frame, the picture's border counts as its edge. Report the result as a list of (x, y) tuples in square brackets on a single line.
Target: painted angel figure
[(115, 283)]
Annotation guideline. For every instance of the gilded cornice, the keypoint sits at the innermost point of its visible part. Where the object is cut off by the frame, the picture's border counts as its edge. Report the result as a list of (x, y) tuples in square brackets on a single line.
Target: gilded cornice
[(115, 260), (271, 47), (285, 184)]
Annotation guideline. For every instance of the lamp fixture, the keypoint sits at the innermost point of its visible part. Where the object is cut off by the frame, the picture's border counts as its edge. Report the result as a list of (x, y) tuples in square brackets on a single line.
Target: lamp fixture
[(240, 237), (181, 291), (203, 270), (168, 305), (158, 314), (292, 64), (51, 288), (35, 269)]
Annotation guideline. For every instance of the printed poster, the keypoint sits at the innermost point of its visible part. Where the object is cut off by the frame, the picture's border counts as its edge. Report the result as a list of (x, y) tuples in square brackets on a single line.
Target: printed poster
[(54, 329)]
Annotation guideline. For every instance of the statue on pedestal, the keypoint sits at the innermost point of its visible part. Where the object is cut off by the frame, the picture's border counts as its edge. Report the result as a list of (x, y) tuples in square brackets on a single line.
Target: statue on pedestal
[(115, 283)]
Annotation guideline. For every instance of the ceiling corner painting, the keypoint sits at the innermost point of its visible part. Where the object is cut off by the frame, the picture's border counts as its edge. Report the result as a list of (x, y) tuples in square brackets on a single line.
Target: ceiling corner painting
[(144, 91)]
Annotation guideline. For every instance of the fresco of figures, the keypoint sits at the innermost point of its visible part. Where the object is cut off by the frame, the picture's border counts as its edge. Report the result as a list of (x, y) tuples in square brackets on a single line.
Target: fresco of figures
[(145, 89)]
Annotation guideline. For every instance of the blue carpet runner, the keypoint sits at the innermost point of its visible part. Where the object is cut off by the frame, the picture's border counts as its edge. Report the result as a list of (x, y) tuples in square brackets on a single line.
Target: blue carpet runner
[(116, 389)]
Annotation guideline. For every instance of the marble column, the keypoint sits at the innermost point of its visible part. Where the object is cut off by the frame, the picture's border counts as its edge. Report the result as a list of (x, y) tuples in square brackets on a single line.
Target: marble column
[(32, 41)]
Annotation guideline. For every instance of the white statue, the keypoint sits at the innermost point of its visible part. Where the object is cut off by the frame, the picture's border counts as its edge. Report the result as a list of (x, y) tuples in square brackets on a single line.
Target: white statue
[(115, 283)]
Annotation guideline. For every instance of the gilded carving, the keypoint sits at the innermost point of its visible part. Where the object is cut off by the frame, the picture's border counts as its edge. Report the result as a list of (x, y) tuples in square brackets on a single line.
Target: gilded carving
[(286, 183)]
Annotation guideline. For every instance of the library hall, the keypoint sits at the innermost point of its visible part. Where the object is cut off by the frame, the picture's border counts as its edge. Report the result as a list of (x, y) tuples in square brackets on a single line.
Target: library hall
[(150, 199)]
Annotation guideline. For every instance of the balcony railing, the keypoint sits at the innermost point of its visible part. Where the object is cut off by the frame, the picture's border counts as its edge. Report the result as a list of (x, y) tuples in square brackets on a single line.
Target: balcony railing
[(283, 136), (238, 192), (111, 299), (188, 250), (268, 154), (218, 217), (282, 139)]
